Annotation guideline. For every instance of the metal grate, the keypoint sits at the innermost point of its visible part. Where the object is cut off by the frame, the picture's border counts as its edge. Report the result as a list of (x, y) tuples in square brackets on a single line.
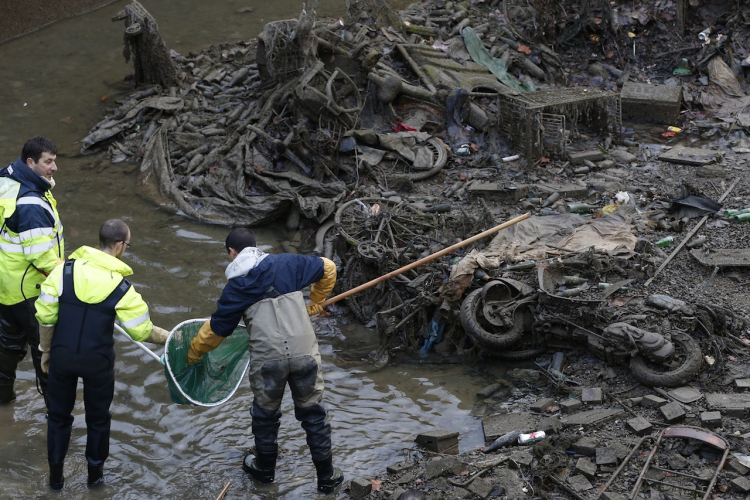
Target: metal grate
[(536, 122), (283, 54)]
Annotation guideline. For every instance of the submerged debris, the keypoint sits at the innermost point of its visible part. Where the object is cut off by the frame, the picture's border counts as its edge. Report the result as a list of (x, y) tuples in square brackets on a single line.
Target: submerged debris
[(403, 132)]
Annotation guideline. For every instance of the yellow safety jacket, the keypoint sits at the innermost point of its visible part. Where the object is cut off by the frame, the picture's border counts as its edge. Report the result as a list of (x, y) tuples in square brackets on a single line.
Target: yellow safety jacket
[(31, 235), (95, 276)]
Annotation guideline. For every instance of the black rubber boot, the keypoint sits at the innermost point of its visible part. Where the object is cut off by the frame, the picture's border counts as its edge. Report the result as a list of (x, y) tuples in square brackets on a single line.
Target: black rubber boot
[(96, 474), (56, 479), (6, 391), (262, 465), (329, 477)]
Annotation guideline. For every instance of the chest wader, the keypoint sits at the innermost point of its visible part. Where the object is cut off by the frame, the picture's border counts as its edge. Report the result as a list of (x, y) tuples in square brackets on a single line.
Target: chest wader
[(82, 346), (284, 350)]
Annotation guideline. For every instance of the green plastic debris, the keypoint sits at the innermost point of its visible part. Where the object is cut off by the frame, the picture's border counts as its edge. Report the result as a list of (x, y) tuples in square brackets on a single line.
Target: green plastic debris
[(216, 377), (480, 55), (683, 69)]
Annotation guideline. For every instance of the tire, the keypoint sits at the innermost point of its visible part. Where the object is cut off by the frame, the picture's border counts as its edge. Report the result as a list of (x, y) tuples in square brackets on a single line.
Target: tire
[(513, 355), (485, 338), (362, 305), (688, 355)]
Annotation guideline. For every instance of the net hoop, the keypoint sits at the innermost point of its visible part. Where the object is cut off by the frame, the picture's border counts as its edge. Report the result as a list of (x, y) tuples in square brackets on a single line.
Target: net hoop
[(172, 378)]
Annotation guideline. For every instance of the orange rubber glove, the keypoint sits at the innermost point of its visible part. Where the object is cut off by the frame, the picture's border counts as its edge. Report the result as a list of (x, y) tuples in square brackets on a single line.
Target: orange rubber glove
[(206, 341), (321, 288)]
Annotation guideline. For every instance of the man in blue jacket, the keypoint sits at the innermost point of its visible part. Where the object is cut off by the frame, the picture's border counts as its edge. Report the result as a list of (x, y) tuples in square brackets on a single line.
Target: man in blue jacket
[(265, 289), (31, 245)]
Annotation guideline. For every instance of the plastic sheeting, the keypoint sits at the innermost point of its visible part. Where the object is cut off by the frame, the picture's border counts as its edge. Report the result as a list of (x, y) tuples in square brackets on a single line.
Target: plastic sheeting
[(496, 66), (538, 238)]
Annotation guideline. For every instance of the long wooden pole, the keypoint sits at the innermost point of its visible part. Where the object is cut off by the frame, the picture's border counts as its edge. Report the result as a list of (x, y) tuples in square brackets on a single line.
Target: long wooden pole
[(224, 491), (687, 238), (426, 259)]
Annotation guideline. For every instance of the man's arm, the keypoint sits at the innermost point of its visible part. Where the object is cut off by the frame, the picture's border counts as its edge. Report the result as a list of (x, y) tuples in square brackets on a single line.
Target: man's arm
[(133, 316), (322, 288), (47, 308), (229, 309)]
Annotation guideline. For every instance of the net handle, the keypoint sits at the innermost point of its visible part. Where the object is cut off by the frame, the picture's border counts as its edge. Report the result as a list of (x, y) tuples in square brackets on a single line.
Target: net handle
[(149, 351)]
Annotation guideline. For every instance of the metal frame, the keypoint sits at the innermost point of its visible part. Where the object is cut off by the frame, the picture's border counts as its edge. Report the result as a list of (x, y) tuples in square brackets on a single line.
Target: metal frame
[(179, 387), (687, 432), (536, 122)]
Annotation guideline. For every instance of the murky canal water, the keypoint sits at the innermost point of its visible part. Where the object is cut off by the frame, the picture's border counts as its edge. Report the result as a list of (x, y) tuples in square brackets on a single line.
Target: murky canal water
[(52, 83)]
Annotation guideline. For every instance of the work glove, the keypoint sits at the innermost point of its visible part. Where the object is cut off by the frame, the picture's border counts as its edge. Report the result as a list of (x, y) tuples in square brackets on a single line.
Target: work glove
[(205, 342), (45, 337), (45, 362), (314, 308), (157, 336), (321, 288)]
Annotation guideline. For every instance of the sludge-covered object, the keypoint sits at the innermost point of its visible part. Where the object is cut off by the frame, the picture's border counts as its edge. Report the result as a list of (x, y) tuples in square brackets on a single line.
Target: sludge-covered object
[(110, 128), (144, 43), (537, 122), (220, 196)]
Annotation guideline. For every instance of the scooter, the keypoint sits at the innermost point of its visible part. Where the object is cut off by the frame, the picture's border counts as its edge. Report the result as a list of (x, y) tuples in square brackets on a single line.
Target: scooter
[(512, 321)]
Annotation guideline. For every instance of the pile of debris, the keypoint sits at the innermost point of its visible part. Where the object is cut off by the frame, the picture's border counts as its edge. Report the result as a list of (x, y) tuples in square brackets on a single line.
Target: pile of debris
[(621, 127)]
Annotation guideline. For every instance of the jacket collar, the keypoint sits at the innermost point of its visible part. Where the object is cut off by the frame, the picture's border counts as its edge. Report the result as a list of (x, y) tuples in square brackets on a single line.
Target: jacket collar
[(246, 261), (101, 259), (20, 172)]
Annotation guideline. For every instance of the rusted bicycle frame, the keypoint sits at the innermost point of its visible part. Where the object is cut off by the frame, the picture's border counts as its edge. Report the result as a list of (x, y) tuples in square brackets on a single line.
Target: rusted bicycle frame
[(681, 431)]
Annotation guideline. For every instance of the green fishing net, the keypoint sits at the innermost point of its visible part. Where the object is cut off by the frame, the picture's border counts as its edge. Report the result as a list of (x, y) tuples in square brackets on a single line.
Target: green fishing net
[(214, 379)]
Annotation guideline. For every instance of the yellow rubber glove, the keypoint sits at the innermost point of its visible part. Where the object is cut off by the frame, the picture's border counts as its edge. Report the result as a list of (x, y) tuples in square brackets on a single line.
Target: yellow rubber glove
[(158, 336), (322, 288), (314, 308), (206, 341)]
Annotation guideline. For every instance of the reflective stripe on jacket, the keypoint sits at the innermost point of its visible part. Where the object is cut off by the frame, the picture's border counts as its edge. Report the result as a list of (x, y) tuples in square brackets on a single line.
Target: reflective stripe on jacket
[(31, 235), (95, 276)]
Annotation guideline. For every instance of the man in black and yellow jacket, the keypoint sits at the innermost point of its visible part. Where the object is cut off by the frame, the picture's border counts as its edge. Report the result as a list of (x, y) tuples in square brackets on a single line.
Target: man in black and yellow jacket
[(265, 289), (76, 310), (31, 245)]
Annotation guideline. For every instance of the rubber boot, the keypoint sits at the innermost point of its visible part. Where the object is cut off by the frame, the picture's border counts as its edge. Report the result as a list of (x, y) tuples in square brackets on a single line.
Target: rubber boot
[(96, 474), (329, 477), (6, 391), (262, 465), (56, 479)]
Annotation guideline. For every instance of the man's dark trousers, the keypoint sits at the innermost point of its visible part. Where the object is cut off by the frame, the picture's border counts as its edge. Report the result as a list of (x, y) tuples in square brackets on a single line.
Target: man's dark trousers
[(18, 329), (98, 376)]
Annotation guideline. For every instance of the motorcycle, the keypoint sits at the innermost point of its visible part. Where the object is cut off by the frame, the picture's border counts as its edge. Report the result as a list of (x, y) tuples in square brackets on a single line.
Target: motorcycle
[(513, 321)]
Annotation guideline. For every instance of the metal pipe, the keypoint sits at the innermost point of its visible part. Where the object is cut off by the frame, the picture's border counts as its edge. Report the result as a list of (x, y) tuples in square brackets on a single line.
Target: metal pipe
[(149, 351)]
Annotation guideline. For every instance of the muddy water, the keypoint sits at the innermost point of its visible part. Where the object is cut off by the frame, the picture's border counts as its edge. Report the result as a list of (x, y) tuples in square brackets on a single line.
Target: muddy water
[(52, 83)]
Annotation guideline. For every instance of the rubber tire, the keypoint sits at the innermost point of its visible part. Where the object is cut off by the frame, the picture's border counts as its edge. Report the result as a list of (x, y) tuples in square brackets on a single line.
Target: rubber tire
[(489, 340), (675, 378), (514, 355)]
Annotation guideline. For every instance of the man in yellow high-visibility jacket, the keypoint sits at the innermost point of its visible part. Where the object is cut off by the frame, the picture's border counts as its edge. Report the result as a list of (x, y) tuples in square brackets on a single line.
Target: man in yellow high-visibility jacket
[(31, 245), (77, 309)]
